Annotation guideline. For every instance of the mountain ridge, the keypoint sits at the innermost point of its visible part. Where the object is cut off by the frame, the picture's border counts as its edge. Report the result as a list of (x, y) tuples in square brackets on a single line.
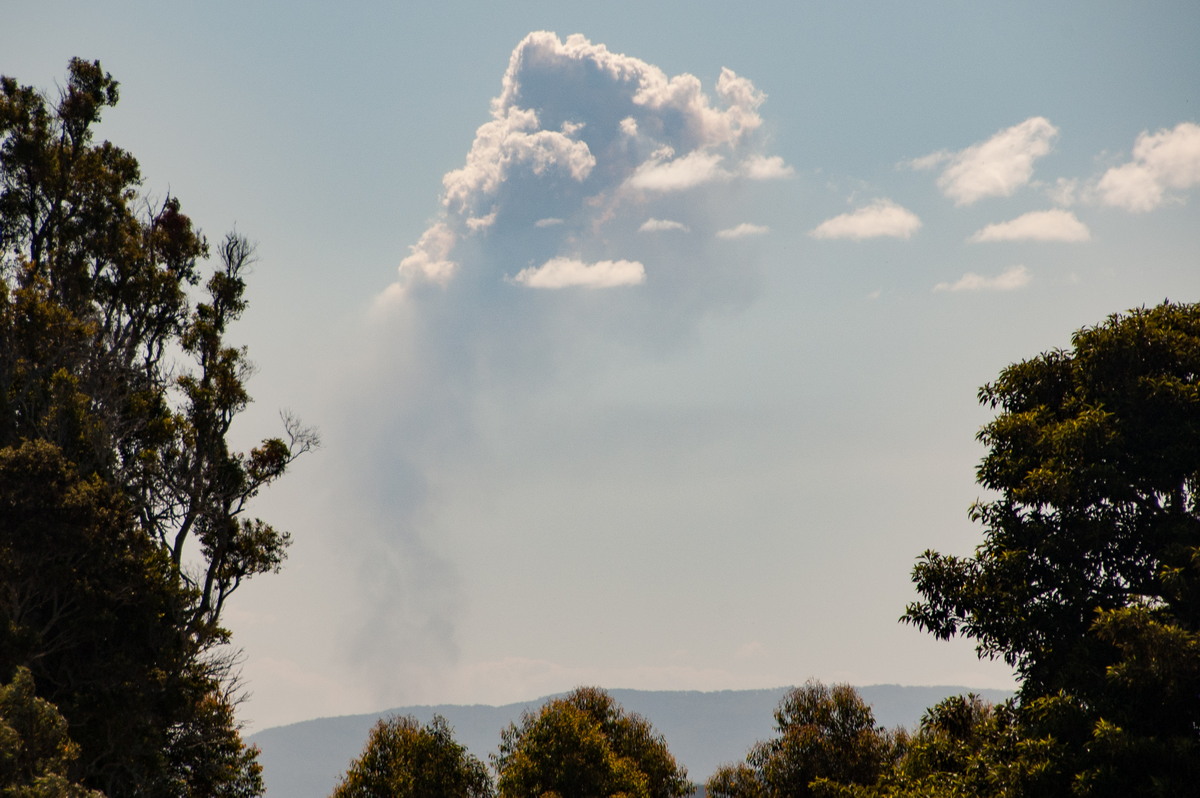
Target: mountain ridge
[(704, 729)]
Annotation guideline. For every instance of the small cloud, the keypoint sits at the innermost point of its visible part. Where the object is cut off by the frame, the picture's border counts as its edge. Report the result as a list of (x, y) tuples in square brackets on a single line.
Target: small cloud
[(993, 168), (662, 225), (929, 161), (477, 223), (743, 230), (881, 218), (1009, 280), (1168, 159), (691, 170), (760, 167), (430, 257), (1053, 225), (1063, 192), (549, 222), (569, 272)]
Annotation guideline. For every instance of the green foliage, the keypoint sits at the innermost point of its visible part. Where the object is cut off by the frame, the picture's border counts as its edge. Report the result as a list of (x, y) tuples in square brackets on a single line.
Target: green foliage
[(965, 748), (35, 750), (586, 745), (83, 587), (404, 759), (1088, 579), (826, 736), (123, 529)]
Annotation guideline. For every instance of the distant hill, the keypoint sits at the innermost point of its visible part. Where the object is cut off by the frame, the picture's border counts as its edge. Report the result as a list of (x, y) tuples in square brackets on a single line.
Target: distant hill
[(703, 730)]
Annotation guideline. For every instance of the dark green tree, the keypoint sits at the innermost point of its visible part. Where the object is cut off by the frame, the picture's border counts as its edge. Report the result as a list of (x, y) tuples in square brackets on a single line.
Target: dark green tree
[(404, 759), (586, 745), (1088, 578), (964, 748), (124, 530), (35, 749), (824, 734)]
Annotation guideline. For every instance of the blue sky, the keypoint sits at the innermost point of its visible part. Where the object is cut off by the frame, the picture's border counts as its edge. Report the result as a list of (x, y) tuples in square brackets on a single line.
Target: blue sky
[(644, 339)]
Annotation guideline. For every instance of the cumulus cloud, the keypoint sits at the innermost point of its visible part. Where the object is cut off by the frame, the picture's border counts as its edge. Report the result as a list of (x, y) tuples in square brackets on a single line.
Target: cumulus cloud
[(1052, 225), (570, 272), (515, 140), (653, 225), (881, 218), (430, 257), (585, 161), (743, 230), (1009, 280), (1168, 159), (993, 168), (678, 174), (758, 167), (581, 141)]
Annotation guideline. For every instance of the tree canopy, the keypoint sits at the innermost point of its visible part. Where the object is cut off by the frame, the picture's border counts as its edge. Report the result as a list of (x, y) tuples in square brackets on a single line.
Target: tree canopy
[(35, 748), (123, 523), (822, 734), (404, 759), (1088, 578), (585, 744)]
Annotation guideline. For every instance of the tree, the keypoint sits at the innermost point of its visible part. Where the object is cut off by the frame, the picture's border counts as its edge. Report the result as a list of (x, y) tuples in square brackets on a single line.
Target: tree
[(964, 748), (586, 745), (83, 596), (824, 734), (119, 390), (404, 759), (35, 750), (1088, 578)]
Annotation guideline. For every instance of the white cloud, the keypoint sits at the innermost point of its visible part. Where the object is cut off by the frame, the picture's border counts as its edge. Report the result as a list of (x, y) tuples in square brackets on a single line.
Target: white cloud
[(1052, 225), (929, 161), (430, 258), (993, 168), (476, 223), (743, 230), (759, 167), (651, 89), (570, 272), (1010, 280), (881, 218), (1063, 192), (509, 141), (693, 169), (579, 137), (1168, 159), (662, 225)]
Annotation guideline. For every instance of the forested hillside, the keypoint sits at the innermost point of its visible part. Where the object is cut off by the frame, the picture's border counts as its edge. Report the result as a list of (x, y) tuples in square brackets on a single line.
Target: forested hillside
[(704, 729)]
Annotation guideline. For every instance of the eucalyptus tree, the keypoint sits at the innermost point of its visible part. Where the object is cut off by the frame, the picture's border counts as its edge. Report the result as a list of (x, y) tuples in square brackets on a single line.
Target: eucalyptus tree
[(825, 736), (586, 744), (405, 759), (125, 525)]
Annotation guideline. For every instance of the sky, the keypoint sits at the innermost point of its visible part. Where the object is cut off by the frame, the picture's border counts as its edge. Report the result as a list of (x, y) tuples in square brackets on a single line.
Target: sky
[(644, 339)]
